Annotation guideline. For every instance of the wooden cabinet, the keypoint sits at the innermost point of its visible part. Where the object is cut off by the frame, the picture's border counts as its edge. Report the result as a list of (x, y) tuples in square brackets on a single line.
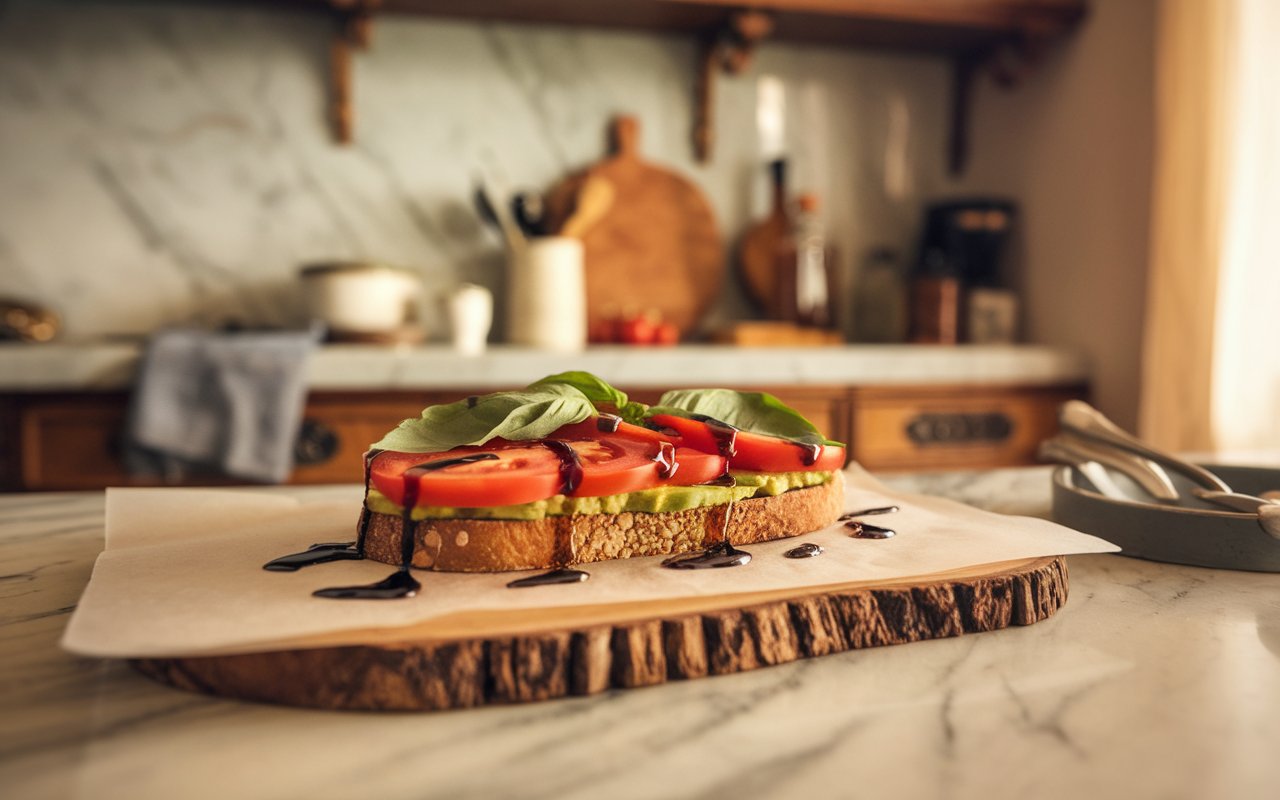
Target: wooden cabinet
[(953, 427), (72, 441)]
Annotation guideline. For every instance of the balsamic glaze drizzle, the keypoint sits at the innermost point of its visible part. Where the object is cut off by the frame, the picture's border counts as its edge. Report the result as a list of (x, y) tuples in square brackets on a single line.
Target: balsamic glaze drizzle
[(315, 554), (666, 458), (726, 435), (869, 512), (608, 423), (806, 550), (720, 554), (401, 583), (555, 576), (570, 464), (810, 452), (865, 530)]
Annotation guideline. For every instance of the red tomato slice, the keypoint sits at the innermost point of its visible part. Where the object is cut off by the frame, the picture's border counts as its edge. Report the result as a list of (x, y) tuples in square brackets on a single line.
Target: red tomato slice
[(754, 451), (590, 428), (516, 475), (524, 472)]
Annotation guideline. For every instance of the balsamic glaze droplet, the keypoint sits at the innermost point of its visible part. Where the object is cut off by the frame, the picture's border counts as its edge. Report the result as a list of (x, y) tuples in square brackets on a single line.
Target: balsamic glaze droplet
[(472, 400), (726, 435), (396, 585), (401, 583), (555, 576), (865, 530), (725, 480), (722, 554), (806, 550), (570, 464), (811, 452), (608, 423), (666, 458), (869, 512), (315, 554)]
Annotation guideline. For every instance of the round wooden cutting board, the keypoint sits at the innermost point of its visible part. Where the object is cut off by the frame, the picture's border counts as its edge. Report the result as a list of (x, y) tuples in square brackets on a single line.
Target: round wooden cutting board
[(474, 659), (656, 246)]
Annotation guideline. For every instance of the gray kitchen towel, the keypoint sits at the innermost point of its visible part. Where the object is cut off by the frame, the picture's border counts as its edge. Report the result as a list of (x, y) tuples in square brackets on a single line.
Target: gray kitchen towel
[(227, 401)]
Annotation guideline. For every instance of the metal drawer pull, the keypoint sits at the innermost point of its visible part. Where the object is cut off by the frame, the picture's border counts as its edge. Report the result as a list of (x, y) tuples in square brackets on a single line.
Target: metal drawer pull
[(959, 428), (316, 443)]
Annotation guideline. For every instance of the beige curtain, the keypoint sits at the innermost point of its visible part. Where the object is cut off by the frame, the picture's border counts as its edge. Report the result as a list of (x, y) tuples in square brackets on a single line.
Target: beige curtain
[(1246, 375), (1211, 353), (1193, 110)]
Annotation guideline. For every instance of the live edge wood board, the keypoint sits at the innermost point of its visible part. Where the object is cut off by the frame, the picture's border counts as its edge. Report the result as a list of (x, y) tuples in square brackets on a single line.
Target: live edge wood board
[(477, 659)]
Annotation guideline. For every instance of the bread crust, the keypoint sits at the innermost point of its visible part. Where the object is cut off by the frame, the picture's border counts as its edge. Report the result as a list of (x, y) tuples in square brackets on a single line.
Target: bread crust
[(487, 545)]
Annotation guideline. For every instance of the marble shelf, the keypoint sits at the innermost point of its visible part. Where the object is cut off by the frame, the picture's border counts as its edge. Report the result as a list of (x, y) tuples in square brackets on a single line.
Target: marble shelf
[(111, 366)]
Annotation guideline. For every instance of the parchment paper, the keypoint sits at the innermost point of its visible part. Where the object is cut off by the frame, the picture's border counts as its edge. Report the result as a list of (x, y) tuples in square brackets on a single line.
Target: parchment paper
[(182, 570)]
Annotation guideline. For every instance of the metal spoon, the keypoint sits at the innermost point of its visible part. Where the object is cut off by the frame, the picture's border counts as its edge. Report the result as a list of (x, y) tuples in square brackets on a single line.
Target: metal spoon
[(1069, 449), (1082, 418)]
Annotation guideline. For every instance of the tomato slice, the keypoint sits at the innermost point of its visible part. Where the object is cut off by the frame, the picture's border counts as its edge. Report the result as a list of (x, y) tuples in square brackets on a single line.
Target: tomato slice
[(524, 472), (756, 452), (601, 427), (516, 475)]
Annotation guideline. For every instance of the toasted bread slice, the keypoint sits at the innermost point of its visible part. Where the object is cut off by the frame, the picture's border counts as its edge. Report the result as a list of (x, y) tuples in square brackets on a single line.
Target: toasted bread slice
[(488, 545)]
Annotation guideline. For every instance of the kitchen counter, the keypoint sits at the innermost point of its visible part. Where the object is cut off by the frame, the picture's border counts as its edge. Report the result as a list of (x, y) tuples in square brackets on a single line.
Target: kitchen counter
[(106, 366), (1153, 681)]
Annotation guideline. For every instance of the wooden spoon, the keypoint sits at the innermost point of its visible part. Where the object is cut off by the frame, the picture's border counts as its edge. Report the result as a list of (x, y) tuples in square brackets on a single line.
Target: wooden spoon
[(594, 200)]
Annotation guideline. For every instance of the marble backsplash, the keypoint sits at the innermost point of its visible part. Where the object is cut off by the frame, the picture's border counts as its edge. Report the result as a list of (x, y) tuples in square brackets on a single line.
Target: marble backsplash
[(174, 164)]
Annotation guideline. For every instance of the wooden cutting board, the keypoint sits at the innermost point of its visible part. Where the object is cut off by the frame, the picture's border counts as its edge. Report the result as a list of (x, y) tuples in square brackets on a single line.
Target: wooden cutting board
[(657, 246), (479, 658)]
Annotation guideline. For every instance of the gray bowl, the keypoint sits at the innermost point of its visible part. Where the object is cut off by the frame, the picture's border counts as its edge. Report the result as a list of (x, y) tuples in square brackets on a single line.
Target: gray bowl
[(1195, 533)]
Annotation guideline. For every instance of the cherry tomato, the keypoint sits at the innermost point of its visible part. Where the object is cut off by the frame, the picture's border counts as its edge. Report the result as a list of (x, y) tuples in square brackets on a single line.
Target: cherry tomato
[(755, 452), (636, 330), (666, 333)]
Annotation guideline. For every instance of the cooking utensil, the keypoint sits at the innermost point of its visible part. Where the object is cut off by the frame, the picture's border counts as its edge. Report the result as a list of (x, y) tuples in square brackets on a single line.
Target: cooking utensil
[(528, 210), (1201, 536), (1096, 472), (1066, 448), (1082, 418), (496, 214), (594, 200), (657, 247)]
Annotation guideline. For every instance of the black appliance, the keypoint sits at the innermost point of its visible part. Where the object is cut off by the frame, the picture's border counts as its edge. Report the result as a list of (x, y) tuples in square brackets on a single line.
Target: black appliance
[(965, 239)]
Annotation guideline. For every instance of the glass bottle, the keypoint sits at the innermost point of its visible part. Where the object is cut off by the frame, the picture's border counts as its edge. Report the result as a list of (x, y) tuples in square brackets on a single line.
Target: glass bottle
[(880, 300), (806, 269)]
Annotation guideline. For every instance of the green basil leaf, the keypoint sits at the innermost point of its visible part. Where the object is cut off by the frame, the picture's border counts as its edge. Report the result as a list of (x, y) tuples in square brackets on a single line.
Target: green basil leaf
[(529, 414), (598, 392), (595, 389), (758, 412)]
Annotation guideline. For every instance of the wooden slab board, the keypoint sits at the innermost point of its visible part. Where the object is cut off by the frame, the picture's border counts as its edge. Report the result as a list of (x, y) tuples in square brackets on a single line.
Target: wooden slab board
[(479, 658), (657, 246)]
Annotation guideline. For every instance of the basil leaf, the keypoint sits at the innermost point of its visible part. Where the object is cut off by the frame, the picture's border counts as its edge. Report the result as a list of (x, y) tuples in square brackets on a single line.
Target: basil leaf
[(530, 414), (758, 412), (598, 392), (593, 388)]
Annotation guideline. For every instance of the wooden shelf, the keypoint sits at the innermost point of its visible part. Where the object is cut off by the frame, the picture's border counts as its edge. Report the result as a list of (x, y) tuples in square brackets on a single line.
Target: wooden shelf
[(937, 26), (973, 34)]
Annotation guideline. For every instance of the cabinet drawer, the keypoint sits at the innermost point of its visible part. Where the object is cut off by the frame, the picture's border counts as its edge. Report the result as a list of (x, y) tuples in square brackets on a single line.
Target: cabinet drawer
[(953, 427), (72, 443)]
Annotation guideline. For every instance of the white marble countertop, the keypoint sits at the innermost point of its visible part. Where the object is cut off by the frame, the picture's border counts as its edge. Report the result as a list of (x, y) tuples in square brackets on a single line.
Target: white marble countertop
[(107, 366), (1154, 681)]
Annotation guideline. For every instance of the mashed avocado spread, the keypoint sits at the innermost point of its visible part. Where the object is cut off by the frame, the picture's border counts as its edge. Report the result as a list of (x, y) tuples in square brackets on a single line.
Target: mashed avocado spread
[(653, 501)]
